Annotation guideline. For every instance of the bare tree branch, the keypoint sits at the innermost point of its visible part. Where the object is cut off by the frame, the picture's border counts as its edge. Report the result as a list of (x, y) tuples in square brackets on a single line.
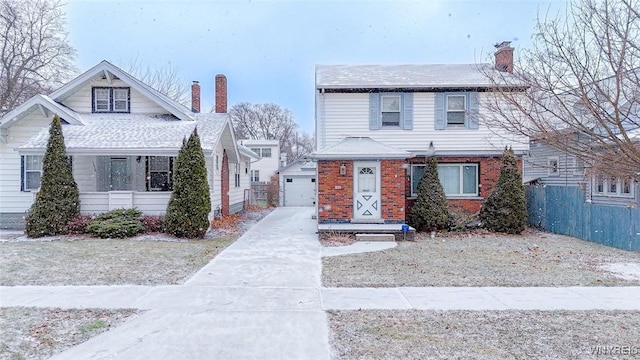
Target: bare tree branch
[(35, 56), (166, 80), (582, 86)]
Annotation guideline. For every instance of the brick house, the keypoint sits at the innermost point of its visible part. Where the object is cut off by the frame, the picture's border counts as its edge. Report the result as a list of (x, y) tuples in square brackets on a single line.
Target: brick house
[(375, 124)]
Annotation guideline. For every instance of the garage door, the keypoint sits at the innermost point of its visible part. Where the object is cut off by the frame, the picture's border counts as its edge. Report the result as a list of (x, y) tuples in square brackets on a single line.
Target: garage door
[(299, 191)]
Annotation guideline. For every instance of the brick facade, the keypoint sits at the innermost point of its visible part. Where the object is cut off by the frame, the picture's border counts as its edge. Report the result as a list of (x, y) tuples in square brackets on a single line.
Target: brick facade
[(335, 191)]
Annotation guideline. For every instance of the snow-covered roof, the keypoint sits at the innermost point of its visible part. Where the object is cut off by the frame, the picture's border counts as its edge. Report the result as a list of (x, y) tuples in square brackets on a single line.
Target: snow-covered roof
[(360, 148), (43, 104), (246, 151), (300, 166), (406, 76), (113, 133)]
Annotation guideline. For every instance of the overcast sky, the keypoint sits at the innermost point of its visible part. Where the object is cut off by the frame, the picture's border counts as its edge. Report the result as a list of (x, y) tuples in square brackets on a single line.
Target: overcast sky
[(268, 49)]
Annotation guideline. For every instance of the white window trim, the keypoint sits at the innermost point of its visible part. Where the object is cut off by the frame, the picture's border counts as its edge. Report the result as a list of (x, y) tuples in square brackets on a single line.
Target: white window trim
[(460, 165), (605, 187), (24, 175), (447, 111), (111, 99), (550, 168), (400, 106)]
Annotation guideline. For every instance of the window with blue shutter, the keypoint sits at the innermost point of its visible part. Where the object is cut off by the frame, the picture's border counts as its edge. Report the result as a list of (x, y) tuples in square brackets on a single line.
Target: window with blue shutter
[(391, 111), (457, 110)]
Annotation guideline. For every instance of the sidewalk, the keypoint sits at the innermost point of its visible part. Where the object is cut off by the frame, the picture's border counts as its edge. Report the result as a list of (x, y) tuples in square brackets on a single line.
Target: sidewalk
[(262, 298)]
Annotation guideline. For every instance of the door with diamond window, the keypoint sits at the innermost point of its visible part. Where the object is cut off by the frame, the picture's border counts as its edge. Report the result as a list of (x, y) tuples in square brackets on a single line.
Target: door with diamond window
[(366, 200)]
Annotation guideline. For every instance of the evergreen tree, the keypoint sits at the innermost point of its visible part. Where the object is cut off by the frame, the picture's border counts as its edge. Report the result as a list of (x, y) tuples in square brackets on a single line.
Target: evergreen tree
[(58, 200), (505, 210), (429, 212), (190, 204)]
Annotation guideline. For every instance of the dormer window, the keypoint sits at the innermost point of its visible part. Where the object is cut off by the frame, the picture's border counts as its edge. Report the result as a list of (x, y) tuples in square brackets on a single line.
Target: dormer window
[(111, 99)]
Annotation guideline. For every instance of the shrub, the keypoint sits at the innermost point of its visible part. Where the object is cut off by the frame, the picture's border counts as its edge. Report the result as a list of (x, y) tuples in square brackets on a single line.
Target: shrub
[(273, 192), (79, 223), (429, 212), (190, 204), (152, 223), (505, 210), (58, 200), (119, 223)]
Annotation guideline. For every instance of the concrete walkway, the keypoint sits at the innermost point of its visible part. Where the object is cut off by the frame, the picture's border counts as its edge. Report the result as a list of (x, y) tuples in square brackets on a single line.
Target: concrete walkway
[(262, 298)]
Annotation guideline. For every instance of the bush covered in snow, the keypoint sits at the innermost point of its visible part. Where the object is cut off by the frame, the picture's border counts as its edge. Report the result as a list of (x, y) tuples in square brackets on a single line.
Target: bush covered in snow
[(429, 211), (118, 223), (58, 200), (190, 204), (505, 210)]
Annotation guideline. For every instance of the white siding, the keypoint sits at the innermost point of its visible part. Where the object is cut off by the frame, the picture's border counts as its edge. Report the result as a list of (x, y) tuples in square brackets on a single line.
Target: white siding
[(236, 194), (347, 114), (12, 200), (267, 166), (81, 100)]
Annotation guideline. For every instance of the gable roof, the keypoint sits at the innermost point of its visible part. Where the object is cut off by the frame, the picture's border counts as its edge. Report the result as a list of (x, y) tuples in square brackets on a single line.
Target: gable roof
[(109, 71), (437, 76), (360, 148), (43, 104)]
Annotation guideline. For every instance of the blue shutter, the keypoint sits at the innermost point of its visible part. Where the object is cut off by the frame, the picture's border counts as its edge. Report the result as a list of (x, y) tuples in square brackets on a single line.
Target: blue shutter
[(22, 173), (473, 116), (374, 111), (440, 122), (407, 111)]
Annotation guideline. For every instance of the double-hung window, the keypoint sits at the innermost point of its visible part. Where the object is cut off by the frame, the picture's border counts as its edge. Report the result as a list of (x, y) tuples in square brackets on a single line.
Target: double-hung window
[(266, 153), (553, 166), (255, 175), (457, 180), (390, 111), (160, 173), (111, 99), (237, 176), (32, 172), (456, 110)]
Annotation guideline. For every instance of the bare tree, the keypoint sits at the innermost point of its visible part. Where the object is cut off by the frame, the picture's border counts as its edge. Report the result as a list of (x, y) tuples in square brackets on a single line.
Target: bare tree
[(165, 79), (265, 121), (578, 87), (35, 56)]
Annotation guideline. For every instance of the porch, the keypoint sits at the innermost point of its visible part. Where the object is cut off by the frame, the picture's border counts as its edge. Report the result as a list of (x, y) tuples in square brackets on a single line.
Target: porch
[(355, 228)]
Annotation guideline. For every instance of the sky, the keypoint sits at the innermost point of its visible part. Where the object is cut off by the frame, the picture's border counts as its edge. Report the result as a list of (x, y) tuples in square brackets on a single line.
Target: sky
[(268, 49)]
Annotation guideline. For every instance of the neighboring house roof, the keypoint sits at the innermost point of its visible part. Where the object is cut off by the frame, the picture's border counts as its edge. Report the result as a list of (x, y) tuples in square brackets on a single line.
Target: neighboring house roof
[(246, 151), (406, 76), (45, 105), (109, 71), (361, 148), (300, 165), (124, 133)]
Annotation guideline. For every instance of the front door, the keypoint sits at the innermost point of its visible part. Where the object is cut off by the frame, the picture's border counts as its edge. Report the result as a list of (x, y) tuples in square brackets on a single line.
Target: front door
[(120, 174), (366, 183)]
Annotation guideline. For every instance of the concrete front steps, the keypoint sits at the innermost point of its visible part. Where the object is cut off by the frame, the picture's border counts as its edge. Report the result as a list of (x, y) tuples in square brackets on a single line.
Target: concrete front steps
[(368, 232)]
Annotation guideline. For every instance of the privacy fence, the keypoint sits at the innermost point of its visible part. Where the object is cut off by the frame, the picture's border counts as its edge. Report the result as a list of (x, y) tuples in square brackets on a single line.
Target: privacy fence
[(563, 210)]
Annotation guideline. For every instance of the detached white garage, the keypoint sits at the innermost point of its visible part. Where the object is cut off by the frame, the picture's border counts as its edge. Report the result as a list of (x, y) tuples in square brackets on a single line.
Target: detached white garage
[(298, 184)]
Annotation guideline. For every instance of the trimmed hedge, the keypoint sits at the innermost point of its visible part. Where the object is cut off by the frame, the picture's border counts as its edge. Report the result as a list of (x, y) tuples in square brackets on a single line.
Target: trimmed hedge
[(119, 223)]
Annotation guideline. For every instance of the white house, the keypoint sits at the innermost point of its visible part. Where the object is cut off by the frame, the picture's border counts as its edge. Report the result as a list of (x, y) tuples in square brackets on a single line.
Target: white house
[(122, 137), (376, 123), (269, 161)]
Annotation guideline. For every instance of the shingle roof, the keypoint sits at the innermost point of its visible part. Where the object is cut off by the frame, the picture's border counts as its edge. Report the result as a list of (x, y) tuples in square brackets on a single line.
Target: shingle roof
[(406, 76), (133, 132), (352, 148)]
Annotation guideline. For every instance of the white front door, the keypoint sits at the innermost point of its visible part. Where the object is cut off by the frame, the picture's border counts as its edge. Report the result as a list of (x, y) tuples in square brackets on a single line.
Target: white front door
[(366, 183)]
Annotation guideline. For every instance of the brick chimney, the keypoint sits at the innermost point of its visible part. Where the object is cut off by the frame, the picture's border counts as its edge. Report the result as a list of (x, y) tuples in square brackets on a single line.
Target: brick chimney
[(221, 93), (504, 57), (195, 97)]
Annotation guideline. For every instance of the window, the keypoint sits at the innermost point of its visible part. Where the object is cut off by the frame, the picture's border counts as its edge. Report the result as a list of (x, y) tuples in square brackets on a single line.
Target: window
[(553, 166), (266, 152), (390, 111), (456, 110), (578, 168), (613, 186), (256, 150), (160, 170), (255, 175), (106, 99), (32, 172), (237, 175), (390, 114), (456, 179)]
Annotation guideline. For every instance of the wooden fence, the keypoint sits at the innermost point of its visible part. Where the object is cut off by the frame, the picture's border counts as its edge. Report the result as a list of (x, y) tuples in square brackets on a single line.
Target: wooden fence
[(563, 210)]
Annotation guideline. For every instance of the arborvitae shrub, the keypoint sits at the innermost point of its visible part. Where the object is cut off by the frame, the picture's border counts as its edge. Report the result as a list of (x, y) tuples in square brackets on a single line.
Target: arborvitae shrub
[(190, 204), (58, 200), (505, 210), (429, 211), (118, 223)]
